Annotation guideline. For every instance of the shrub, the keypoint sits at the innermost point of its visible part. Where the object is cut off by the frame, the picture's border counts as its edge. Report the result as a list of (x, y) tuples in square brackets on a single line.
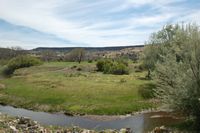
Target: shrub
[(123, 61), (79, 69), (23, 61), (73, 67), (139, 68), (119, 69), (146, 91), (3, 61), (90, 61), (100, 64), (7, 71), (108, 67), (122, 80), (112, 67), (20, 62)]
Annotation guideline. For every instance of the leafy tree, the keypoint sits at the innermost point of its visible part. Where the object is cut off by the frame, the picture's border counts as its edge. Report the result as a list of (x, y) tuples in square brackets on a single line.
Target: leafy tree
[(158, 46), (177, 70), (8, 53), (149, 58), (77, 54), (48, 55)]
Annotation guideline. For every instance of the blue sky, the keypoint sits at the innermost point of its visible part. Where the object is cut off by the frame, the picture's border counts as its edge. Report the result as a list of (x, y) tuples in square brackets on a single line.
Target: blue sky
[(85, 23)]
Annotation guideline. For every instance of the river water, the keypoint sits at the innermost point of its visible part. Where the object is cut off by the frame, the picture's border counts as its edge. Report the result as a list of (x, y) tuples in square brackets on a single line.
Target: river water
[(139, 123)]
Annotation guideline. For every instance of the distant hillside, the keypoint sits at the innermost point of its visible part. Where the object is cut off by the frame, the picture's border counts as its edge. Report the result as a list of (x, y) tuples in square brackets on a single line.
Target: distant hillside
[(65, 49)]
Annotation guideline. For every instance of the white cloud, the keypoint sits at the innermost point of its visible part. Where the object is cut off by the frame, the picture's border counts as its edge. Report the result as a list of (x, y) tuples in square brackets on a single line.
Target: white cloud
[(93, 23)]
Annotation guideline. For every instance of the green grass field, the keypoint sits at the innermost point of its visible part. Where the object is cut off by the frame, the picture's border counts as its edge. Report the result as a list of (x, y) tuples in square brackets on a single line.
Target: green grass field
[(59, 86)]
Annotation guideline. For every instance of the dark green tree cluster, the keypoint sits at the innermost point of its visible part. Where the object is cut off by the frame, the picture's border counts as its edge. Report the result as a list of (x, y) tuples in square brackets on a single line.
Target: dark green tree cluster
[(174, 54)]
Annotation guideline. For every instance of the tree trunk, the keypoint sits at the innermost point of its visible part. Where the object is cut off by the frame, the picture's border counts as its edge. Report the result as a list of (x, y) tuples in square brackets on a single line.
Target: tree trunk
[(149, 74)]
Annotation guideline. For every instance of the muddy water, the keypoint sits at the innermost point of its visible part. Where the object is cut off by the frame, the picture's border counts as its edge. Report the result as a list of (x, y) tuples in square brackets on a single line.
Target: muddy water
[(138, 123)]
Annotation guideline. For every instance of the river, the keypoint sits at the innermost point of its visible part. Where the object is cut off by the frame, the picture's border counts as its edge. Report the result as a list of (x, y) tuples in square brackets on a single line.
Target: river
[(139, 123)]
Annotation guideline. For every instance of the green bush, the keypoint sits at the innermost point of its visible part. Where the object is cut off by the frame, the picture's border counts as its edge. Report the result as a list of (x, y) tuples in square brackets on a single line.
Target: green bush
[(7, 71), (118, 67), (90, 61), (146, 91), (108, 67), (123, 61), (100, 65), (3, 61), (20, 62), (139, 68), (23, 61)]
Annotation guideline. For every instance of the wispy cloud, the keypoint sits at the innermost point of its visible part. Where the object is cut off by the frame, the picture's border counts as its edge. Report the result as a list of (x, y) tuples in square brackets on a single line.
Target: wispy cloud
[(88, 22)]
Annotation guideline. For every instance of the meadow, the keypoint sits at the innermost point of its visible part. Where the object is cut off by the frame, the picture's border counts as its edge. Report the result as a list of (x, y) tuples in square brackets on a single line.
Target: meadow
[(75, 88)]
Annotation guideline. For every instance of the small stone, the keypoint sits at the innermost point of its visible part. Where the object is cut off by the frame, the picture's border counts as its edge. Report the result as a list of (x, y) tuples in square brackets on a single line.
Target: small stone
[(68, 131), (123, 130), (43, 131), (85, 131), (161, 129), (110, 131), (128, 115), (156, 116), (24, 120), (13, 128), (15, 121), (128, 130)]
